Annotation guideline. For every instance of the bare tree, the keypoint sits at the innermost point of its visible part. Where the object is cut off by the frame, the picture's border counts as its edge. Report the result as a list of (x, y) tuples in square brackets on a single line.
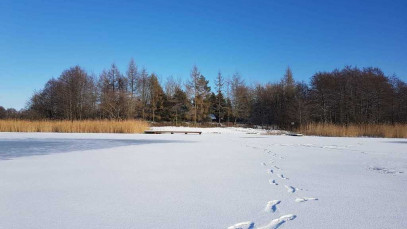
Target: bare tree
[(132, 76), (193, 88), (171, 85), (240, 98), (143, 89), (346, 96), (219, 82)]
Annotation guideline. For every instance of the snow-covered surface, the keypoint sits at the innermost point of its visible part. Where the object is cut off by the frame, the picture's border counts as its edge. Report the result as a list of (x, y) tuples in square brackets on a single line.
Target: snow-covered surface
[(213, 180), (214, 130)]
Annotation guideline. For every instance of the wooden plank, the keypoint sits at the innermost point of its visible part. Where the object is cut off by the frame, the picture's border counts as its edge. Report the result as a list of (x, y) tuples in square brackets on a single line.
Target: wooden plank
[(295, 134)]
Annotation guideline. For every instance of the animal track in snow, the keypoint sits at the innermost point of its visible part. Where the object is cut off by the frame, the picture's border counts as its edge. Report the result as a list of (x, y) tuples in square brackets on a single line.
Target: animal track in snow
[(383, 170), (271, 181), (304, 199), (282, 177), (290, 189), (243, 225), (263, 164), (272, 206), (307, 145), (277, 167), (270, 171), (276, 223), (331, 147)]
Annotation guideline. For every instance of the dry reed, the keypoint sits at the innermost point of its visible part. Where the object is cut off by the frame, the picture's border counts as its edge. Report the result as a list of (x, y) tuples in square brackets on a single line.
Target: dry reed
[(367, 130), (86, 126)]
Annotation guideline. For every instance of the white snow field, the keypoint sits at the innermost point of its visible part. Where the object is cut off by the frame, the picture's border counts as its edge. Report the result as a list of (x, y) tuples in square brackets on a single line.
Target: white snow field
[(224, 178)]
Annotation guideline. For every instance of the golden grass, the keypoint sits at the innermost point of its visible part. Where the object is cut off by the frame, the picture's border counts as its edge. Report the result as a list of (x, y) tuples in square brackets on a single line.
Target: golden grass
[(368, 130), (86, 126)]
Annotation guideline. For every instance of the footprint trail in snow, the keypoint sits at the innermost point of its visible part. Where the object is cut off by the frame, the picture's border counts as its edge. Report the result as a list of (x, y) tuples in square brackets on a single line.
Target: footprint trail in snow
[(290, 189), (271, 206), (304, 199), (271, 181), (276, 223), (243, 225), (282, 176)]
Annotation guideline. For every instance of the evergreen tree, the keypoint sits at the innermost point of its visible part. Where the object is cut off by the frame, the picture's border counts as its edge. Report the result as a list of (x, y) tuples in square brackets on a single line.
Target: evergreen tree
[(157, 97), (179, 105)]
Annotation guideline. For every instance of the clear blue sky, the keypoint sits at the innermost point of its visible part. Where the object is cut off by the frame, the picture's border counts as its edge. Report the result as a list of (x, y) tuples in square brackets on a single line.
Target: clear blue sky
[(259, 39)]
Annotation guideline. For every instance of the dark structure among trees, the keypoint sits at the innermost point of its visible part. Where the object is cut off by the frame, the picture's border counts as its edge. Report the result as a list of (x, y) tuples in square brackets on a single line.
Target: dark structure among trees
[(347, 96)]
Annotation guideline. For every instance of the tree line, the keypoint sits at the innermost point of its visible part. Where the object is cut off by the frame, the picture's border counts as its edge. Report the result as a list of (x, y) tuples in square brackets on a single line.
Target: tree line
[(343, 96)]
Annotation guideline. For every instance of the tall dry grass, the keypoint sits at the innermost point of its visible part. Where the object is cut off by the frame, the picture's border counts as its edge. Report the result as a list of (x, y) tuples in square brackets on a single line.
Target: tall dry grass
[(86, 126), (368, 130)]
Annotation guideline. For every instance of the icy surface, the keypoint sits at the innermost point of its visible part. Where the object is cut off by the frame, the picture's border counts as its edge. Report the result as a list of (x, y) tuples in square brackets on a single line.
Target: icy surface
[(224, 178)]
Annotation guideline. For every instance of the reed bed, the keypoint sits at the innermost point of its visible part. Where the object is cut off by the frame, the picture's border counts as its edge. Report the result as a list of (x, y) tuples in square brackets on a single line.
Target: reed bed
[(85, 126), (367, 130)]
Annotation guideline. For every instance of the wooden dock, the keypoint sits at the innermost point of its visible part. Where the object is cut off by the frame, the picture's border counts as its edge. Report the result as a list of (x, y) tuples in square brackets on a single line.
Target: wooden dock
[(171, 132)]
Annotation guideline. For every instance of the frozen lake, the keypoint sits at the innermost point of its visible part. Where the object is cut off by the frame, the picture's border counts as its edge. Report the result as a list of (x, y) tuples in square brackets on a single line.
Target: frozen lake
[(213, 180)]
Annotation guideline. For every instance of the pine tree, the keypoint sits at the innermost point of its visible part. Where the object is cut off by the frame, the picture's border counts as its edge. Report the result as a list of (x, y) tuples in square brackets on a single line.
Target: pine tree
[(203, 98), (180, 105), (156, 98)]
